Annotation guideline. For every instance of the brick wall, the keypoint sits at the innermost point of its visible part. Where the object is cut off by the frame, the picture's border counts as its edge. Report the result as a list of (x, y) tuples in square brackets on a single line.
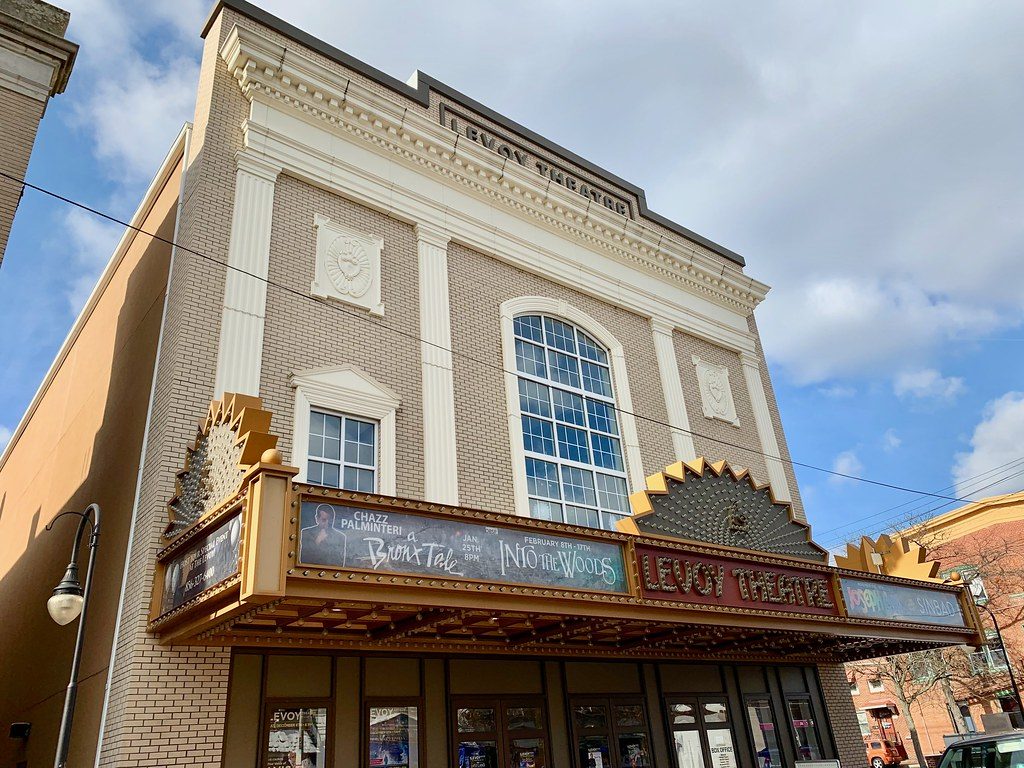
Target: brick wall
[(303, 334), (20, 120), (842, 715), (166, 704)]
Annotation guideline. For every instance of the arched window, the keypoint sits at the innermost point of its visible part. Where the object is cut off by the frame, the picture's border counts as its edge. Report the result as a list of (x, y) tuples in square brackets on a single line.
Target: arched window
[(572, 436)]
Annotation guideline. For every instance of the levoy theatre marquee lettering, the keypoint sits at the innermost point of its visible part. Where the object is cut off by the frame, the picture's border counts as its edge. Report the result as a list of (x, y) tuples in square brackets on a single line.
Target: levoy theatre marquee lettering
[(339, 536), (488, 138), (670, 574)]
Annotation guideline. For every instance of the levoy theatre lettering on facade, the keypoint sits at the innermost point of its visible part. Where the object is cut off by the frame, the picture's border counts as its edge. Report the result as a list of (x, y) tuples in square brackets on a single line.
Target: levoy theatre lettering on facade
[(709, 580), (492, 140)]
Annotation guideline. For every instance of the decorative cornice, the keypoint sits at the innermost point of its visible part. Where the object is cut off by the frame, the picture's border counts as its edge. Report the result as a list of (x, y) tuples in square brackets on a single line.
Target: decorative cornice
[(269, 72)]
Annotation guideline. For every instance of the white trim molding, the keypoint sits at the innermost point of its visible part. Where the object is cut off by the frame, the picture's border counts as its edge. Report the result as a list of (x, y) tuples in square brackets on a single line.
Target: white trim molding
[(527, 305), (715, 391), (765, 428), (440, 463), (348, 390), (240, 353), (371, 147), (672, 387)]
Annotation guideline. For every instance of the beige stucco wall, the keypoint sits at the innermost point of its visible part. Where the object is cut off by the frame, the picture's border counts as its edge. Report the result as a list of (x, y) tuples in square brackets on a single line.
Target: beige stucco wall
[(81, 445)]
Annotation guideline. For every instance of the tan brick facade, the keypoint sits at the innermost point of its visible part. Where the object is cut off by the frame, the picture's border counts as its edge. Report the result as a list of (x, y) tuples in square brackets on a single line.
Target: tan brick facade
[(845, 730), (21, 116), (166, 705)]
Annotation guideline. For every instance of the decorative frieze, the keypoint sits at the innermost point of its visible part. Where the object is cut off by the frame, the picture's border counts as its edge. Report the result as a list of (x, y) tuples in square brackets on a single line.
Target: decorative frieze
[(715, 391), (347, 265), (270, 73)]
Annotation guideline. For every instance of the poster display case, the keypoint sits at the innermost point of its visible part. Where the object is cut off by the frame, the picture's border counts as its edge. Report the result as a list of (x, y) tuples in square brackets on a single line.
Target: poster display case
[(393, 730), (296, 734)]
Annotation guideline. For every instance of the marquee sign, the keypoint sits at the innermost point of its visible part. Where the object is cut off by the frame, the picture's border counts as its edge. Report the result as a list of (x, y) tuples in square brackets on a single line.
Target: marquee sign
[(898, 602), (688, 577), (211, 559), (339, 536)]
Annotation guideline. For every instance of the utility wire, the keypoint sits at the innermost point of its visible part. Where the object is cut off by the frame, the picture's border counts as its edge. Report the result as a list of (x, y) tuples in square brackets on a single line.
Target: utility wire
[(454, 353), (976, 478), (912, 522)]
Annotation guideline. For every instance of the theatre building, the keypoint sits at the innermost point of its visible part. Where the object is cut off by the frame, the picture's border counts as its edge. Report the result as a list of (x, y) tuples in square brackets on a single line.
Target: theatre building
[(430, 445)]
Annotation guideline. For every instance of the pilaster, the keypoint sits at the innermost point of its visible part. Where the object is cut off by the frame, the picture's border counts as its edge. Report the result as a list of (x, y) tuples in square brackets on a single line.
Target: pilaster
[(441, 483), (765, 427), (240, 354), (675, 404)]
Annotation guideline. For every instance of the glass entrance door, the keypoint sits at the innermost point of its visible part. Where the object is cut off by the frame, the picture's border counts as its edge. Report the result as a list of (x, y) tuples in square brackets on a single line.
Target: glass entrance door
[(499, 733), (610, 733)]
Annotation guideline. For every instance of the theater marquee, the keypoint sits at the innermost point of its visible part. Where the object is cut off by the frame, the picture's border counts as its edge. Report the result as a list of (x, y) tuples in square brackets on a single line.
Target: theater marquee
[(709, 566)]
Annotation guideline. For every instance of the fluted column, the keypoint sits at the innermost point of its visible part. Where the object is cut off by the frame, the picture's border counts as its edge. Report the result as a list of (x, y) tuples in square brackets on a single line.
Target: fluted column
[(765, 427), (672, 388), (240, 354), (440, 473)]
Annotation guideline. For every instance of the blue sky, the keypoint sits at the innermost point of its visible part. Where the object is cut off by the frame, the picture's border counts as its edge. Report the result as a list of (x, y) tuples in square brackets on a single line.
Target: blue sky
[(867, 159)]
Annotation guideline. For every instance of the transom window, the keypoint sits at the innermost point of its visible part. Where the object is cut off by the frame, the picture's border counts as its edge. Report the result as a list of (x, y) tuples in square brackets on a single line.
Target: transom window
[(342, 452), (574, 467)]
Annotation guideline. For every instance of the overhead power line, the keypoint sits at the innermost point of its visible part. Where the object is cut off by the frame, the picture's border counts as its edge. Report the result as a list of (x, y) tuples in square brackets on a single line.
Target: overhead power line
[(967, 482), (484, 363)]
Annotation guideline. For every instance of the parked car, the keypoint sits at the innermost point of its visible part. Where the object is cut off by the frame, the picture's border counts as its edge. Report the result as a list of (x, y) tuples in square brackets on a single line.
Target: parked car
[(882, 752), (995, 750)]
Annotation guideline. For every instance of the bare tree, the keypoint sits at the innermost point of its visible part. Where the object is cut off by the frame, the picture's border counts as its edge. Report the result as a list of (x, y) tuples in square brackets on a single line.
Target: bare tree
[(909, 676)]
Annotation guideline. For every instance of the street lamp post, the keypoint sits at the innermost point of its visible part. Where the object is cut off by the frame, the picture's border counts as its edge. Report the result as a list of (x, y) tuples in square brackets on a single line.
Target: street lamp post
[(1006, 653), (70, 601)]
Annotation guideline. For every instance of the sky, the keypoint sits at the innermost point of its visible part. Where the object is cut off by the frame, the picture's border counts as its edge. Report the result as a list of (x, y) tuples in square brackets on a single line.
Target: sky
[(866, 159)]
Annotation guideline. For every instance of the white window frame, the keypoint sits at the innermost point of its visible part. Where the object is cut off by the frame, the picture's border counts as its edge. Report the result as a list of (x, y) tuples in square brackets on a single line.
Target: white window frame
[(341, 463), (350, 391), (873, 689), (540, 305), (854, 688)]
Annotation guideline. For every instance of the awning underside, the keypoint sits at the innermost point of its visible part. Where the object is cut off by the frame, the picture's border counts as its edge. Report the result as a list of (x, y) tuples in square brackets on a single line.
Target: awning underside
[(382, 627)]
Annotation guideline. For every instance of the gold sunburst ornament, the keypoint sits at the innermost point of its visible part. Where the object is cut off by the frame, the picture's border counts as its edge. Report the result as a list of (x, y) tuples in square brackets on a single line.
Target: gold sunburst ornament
[(891, 557)]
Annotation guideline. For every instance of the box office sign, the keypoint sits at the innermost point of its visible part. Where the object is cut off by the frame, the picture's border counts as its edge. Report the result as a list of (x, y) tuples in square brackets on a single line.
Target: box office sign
[(899, 602), (338, 536), (689, 577), (209, 560)]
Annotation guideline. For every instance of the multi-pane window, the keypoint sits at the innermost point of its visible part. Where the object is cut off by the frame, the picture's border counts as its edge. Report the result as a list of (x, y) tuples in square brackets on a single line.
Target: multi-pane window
[(574, 467), (342, 452)]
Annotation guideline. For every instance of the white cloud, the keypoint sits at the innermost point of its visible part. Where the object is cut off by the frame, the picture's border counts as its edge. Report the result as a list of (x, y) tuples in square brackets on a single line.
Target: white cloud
[(846, 463), (891, 441), (93, 240), (837, 391), (5, 437), (839, 326), (928, 384), (997, 440)]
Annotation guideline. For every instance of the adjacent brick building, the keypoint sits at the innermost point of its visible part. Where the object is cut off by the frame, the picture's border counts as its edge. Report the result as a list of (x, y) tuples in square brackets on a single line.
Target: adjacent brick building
[(418, 321), (983, 543), (35, 64)]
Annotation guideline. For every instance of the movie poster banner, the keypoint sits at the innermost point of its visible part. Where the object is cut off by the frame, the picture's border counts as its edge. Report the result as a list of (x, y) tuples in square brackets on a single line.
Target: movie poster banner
[(209, 560), (296, 738), (339, 536), (899, 602)]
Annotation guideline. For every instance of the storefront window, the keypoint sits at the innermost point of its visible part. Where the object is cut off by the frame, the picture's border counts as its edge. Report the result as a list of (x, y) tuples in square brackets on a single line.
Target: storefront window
[(394, 736), (296, 737), (762, 727), (701, 735), (611, 733), (805, 730)]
